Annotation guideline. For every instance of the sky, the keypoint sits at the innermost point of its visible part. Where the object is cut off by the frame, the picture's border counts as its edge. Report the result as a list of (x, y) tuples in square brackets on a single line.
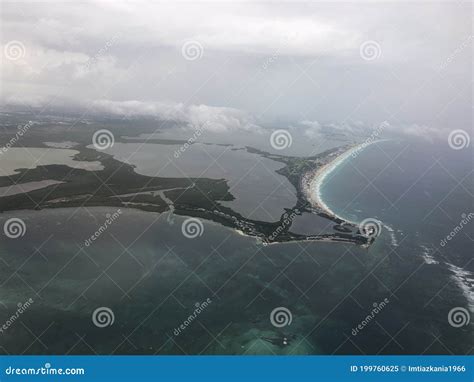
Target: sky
[(248, 64)]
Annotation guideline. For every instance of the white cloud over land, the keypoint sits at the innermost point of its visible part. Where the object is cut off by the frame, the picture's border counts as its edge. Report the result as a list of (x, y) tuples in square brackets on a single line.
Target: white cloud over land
[(216, 119)]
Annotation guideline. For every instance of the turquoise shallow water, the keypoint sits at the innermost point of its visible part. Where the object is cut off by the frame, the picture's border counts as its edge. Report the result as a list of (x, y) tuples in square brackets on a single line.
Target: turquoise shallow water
[(143, 269)]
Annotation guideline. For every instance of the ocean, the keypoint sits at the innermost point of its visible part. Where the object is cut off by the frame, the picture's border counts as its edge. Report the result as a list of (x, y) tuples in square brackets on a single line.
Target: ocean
[(393, 298), (421, 193)]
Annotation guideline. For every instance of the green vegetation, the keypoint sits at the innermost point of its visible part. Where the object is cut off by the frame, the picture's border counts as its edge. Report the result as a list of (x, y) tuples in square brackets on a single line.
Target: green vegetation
[(119, 185)]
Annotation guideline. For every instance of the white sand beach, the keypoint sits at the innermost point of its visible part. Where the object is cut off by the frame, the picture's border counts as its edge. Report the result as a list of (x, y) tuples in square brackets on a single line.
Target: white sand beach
[(313, 186)]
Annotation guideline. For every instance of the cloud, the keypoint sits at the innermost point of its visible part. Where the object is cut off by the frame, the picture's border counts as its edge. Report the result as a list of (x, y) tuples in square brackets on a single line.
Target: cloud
[(228, 27), (313, 129), (36, 60), (26, 101), (276, 60), (384, 129), (211, 118), (425, 132)]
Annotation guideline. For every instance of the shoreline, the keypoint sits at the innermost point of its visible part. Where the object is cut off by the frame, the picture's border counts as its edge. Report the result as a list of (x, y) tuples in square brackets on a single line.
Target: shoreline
[(312, 186)]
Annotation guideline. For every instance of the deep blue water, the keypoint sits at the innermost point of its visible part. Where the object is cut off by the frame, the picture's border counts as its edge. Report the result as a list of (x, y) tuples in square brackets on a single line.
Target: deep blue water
[(422, 191)]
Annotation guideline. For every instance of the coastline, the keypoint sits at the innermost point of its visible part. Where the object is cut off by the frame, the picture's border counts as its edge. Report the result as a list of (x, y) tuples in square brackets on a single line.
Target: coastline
[(313, 180)]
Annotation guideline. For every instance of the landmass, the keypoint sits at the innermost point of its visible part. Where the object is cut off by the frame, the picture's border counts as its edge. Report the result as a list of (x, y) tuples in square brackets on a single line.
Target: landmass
[(118, 185)]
